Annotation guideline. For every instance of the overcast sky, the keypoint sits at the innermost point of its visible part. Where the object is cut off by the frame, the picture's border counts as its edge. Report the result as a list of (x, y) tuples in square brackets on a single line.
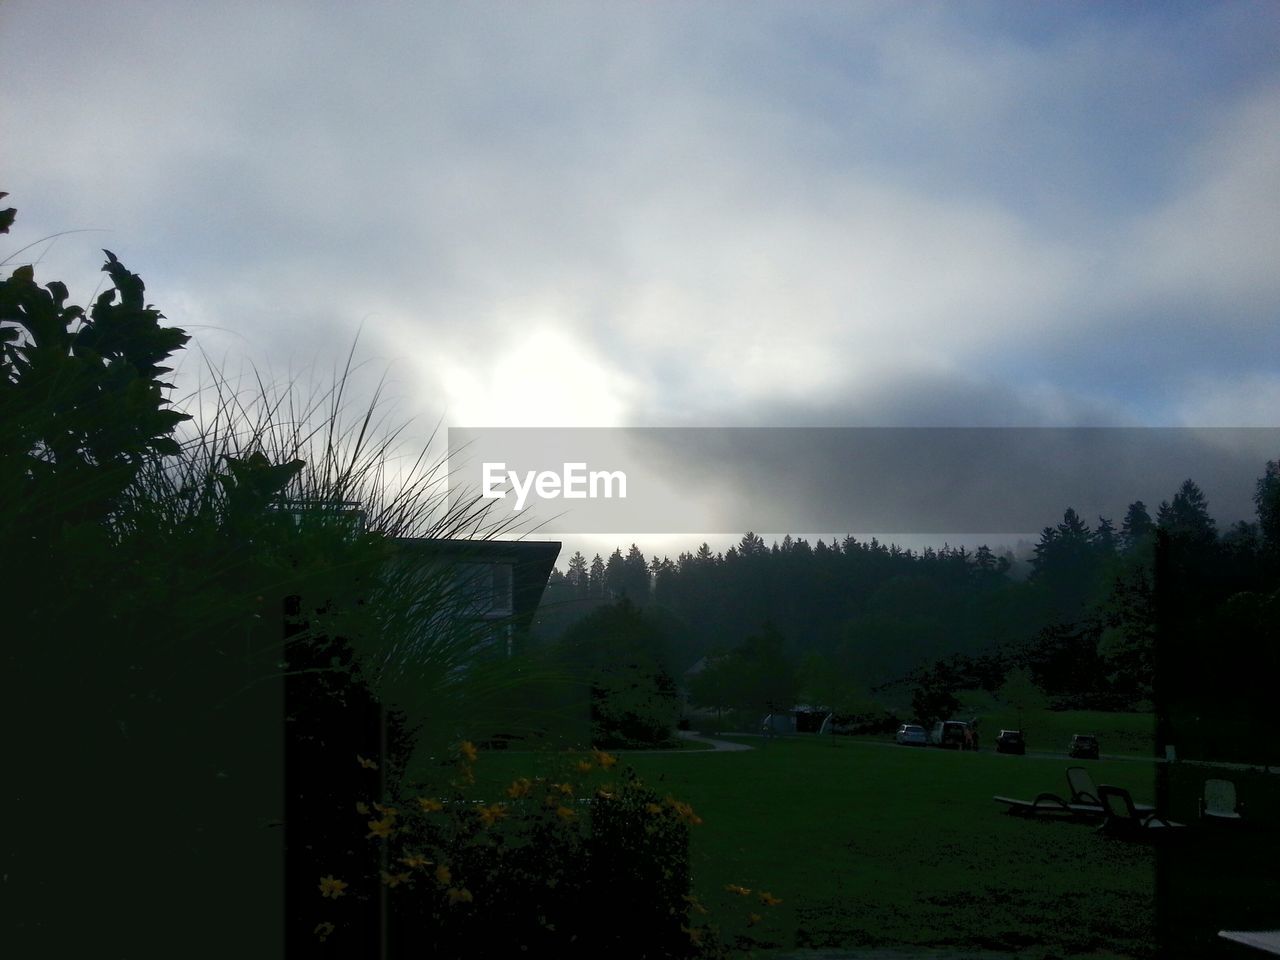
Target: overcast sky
[(598, 214)]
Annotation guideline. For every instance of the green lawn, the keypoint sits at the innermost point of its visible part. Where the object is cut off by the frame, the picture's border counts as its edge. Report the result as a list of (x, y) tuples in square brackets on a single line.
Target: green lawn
[(874, 844), (886, 845)]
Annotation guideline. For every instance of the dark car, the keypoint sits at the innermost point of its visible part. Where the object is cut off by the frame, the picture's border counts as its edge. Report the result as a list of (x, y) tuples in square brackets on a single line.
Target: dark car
[(1010, 741), (1083, 747)]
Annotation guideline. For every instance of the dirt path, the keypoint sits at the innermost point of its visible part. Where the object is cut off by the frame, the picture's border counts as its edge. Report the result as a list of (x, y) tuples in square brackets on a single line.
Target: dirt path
[(716, 744)]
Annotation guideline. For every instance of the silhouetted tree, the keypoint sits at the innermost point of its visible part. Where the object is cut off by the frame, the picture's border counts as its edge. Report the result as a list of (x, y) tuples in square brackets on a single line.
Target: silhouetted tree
[(615, 581), (1137, 527), (933, 693), (1104, 537), (1187, 517), (621, 657), (578, 576), (596, 579), (1266, 498), (635, 576), (1066, 565)]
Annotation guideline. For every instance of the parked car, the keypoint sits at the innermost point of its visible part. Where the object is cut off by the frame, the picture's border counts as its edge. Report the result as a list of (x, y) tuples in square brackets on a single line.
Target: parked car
[(1010, 741), (909, 734), (1083, 746), (954, 734)]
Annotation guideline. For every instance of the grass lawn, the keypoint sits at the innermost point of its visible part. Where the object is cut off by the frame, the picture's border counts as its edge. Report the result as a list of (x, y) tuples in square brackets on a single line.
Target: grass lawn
[(874, 844), (886, 845)]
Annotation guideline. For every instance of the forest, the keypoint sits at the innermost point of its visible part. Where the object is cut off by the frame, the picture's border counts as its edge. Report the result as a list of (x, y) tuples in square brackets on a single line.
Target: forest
[(1120, 617)]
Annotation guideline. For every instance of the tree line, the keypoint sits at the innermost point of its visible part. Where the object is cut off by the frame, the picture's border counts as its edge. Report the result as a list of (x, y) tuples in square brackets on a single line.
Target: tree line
[(853, 622)]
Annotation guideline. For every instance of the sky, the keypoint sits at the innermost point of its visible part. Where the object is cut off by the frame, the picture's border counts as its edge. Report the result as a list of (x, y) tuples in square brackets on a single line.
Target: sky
[(694, 214)]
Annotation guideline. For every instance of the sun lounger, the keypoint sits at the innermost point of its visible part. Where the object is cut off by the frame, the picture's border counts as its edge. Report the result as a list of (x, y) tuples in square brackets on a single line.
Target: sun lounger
[(1046, 804), (1124, 819), (1084, 803), (1085, 794)]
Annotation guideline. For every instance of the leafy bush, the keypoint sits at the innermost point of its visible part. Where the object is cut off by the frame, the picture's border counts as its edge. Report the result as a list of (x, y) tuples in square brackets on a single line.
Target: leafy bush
[(176, 581), (591, 863)]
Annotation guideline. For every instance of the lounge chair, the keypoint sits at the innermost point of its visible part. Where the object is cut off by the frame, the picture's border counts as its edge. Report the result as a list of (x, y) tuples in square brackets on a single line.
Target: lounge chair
[(1219, 801), (1084, 794), (1046, 804), (1123, 818)]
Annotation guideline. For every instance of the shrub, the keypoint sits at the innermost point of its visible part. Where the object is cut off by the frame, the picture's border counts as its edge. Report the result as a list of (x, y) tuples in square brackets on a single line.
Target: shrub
[(590, 863), (175, 582), (618, 655)]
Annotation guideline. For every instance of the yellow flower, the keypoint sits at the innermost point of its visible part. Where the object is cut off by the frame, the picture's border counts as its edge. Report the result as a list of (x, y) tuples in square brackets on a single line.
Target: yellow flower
[(415, 860), (394, 879), (362, 808), (386, 811), (652, 808), (430, 804), (605, 760), (381, 828), (492, 813), (684, 811), (323, 930), (584, 766), (753, 919), (443, 875), (604, 794), (695, 934), (565, 788), (331, 887), (459, 896), (740, 891), (519, 787), (367, 764), (468, 750), (768, 899), (564, 813)]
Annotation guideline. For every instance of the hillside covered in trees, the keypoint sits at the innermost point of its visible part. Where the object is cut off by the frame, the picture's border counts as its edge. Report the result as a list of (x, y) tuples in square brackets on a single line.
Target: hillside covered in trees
[(852, 621)]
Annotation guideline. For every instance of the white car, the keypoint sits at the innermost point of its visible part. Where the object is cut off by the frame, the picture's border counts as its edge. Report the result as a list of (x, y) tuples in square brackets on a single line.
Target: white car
[(912, 735)]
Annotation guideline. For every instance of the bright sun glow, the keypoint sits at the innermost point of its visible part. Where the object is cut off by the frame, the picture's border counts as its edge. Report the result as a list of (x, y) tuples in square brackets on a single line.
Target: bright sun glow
[(545, 378)]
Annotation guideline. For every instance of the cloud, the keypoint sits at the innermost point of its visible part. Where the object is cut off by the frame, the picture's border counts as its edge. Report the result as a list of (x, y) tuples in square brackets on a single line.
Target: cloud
[(678, 213), (1217, 240), (1250, 401)]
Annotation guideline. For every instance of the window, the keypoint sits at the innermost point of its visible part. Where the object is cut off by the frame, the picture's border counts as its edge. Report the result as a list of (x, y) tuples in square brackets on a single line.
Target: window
[(486, 589)]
